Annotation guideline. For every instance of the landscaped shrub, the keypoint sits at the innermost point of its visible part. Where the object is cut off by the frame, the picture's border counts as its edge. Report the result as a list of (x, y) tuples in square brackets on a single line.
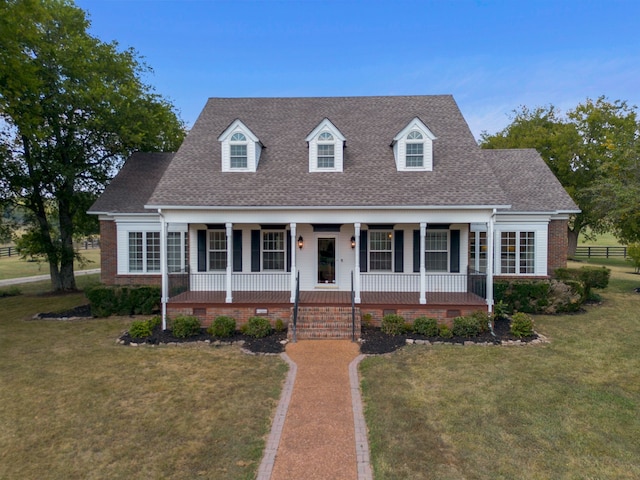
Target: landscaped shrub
[(222, 327), (367, 319), (521, 325), (185, 326), (591, 277), (483, 319), (466, 326), (280, 326), (10, 292), (140, 329), (444, 331), (565, 296), (634, 256), (393, 324), (107, 300), (257, 327), (426, 326), (543, 296)]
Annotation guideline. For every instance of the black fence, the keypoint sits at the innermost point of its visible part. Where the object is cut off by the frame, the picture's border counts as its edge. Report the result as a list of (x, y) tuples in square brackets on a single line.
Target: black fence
[(601, 252), (12, 251)]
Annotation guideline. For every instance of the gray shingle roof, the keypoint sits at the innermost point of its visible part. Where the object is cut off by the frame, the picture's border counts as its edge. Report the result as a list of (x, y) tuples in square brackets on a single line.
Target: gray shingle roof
[(130, 190), (528, 182), (460, 175)]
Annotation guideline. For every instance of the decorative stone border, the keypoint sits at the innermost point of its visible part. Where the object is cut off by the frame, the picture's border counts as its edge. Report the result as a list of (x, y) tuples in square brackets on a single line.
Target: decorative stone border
[(503, 343)]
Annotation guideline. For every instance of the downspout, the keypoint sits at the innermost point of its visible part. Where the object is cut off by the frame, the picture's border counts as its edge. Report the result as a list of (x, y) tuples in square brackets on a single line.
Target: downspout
[(163, 268), (491, 260)]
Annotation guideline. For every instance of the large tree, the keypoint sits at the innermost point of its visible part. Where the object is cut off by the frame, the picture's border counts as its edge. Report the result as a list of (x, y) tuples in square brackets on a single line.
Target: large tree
[(579, 147), (71, 109)]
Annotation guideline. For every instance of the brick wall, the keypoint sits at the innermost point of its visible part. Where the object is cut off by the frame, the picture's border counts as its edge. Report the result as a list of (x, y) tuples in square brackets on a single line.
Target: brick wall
[(443, 313), (240, 314), (558, 245), (108, 252), (109, 260)]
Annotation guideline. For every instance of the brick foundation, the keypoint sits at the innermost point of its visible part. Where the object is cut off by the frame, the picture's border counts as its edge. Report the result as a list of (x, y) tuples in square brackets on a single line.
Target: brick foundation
[(241, 314), (443, 313)]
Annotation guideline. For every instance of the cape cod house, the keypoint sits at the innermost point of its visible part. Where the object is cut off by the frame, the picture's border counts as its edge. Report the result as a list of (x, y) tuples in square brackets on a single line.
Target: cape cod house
[(386, 202)]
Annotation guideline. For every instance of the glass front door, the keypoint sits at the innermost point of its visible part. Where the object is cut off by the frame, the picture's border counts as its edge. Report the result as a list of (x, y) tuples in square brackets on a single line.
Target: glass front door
[(326, 260)]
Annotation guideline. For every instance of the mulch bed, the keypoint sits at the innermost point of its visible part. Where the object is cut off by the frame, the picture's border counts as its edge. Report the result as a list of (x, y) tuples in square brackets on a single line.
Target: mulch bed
[(372, 342)]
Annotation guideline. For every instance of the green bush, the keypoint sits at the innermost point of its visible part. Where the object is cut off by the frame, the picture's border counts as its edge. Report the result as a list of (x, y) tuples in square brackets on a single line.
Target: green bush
[(634, 256), (393, 324), (483, 319), (466, 326), (426, 326), (13, 291), (222, 327), (155, 321), (140, 329), (591, 277), (257, 327), (185, 326), (444, 331), (521, 325), (108, 300), (280, 326), (367, 319)]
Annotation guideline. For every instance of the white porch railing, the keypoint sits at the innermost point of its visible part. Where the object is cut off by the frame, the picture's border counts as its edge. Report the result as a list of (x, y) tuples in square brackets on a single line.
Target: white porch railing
[(410, 282), (240, 282)]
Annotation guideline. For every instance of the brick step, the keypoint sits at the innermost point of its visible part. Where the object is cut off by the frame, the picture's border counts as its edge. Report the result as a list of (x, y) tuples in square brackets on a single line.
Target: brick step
[(325, 322)]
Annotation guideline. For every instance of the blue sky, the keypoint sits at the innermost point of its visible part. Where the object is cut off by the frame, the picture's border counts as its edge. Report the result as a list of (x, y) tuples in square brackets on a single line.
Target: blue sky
[(492, 56)]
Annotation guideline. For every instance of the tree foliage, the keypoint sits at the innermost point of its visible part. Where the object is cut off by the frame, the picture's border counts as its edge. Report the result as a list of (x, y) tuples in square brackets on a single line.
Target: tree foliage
[(593, 151), (72, 108)]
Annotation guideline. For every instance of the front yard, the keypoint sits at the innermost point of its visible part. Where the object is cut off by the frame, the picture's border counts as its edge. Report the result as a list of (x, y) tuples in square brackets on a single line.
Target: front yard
[(74, 405), (568, 409)]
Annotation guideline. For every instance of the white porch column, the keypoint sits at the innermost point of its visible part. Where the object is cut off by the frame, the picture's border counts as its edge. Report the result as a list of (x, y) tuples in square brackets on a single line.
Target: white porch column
[(164, 288), (294, 268), (356, 274), (229, 227), (490, 260), (423, 269)]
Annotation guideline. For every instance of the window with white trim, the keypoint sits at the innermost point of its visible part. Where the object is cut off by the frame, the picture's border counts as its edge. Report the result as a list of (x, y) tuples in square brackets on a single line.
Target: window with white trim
[(414, 150), (326, 151), (273, 250), (217, 250), (478, 251), (517, 252), (380, 250), (144, 252), (238, 151), (437, 251), (177, 252)]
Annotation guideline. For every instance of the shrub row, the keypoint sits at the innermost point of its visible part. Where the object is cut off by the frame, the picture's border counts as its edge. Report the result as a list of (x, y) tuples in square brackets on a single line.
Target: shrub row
[(591, 277), (108, 300), (144, 328), (468, 326)]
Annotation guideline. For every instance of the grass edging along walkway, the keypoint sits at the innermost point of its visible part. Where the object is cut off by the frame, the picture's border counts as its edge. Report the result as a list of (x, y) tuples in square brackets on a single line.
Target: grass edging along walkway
[(567, 409), (75, 405)]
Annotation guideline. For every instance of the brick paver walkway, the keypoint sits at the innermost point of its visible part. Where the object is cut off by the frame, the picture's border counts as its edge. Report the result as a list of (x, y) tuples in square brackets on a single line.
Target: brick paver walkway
[(319, 430)]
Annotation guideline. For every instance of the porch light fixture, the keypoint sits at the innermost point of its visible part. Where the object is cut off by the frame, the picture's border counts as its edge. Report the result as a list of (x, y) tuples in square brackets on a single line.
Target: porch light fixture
[(300, 242), (353, 242)]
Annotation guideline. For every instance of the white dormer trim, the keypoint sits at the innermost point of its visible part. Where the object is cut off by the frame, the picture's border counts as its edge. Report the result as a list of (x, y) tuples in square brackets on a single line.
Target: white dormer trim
[(324, 138), (418, 134), (238, 135)]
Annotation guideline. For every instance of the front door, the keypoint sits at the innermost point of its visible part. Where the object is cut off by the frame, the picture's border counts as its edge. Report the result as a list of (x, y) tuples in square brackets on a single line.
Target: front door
[(326, 260)]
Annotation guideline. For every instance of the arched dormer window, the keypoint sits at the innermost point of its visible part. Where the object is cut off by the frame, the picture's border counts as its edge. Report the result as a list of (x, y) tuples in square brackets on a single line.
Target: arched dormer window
[(415, 150), (326, 145), (413, 147), (326, 151), (240, 148), (238, 151)]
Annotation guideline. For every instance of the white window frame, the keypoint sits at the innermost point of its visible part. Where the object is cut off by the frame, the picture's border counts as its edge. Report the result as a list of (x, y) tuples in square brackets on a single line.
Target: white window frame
[(238, 140), (214, 237), (414, 138), (428, 250), (521, 252), (478, 250), (283, 250), (180, 265), (145, 257), (319, 137), (326, 140), (406, 137), (388, 234), (232, 137)]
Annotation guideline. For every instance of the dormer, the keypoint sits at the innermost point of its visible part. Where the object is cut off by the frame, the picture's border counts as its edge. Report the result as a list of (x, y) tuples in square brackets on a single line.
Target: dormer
[(413, 147), (326, 145), (241, 149)]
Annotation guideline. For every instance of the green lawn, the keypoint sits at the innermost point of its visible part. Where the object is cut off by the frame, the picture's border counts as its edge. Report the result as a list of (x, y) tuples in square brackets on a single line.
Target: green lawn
[(74, 405), (565, 410), (15, 267), (602, 240)]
